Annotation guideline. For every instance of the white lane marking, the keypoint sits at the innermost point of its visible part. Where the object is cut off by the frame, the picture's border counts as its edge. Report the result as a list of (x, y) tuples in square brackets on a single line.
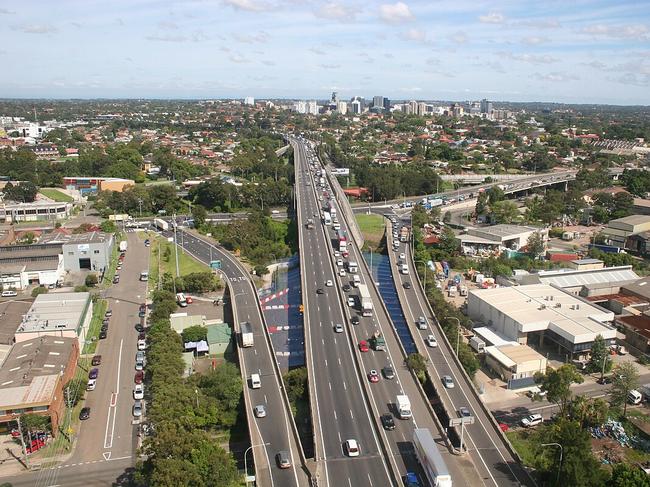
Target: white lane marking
[(351, 415)]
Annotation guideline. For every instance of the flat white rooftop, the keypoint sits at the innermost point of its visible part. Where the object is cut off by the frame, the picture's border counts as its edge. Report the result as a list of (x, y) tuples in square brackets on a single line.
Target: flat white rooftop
[(55, 311)]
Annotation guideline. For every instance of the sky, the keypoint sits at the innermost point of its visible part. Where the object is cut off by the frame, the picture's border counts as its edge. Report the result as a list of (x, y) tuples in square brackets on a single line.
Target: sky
[(569, 51)]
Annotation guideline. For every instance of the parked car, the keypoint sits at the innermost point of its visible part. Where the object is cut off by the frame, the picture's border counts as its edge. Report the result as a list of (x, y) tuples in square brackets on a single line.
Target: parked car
[(84, 413), (139, 377), (103, 334), (92, 383), (138, 392), (93, 373), (137, 409), (142, 344), (532, 420), (97, 360)]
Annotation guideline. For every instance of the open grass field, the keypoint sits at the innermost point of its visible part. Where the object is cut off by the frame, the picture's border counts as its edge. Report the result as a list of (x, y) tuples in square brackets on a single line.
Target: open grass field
[(56, 195), (372, 228)]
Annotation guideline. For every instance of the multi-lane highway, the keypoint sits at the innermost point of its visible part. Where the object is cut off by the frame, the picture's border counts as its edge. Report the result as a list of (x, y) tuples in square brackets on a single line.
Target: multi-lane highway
[(493, 460), (275, 432)]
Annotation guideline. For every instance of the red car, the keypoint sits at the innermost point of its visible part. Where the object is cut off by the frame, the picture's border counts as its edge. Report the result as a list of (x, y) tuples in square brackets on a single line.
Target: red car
[(188, 299), (363, 346), (373, 376), (504, 427), (139, 377)]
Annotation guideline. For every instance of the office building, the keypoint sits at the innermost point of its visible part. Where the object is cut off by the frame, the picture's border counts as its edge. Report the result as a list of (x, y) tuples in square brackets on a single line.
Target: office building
[(249, 100), (312, 107), (486, 106), (25, 265), (387, 104), (86, 251), (342, 107), (355, 106), (89, 185), (59, 315), (378, 102), (13, 212), (300, 106), (543, 315)]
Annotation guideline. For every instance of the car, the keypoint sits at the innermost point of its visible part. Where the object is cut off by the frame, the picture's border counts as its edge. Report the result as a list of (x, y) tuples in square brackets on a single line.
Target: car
[(337, 253), (143, 306), (464, 412), (138, 392), (448, 382), (411, 480), (431, 341), (388, 372), (406, 285), (352, 448), (97, 360), (346, 287), (387, 421), (504, 427), (260, 411), (147, 243), (338, 328), (94, 373), (351, 302), (422, 323), (84, 413), (138, 378), (137, 409), (363, 346), (604, 380), (342, 273), (109, 313), (142, 344), (142, 335), (189, 300), (345, 254), (354, 320), (282, 457), (119, 267), (9, 294), (103, 334), (142, 313), (104, 328), (532, 420), (329, 283), (139, 328), (373, 376), (92, 383), (339, 262), (402, 256), (116, 280), (320, 290)]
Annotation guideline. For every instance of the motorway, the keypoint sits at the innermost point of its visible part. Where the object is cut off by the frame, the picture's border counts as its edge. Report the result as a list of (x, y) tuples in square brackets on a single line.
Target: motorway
[(493, 461), (315, 245), (274, 432)]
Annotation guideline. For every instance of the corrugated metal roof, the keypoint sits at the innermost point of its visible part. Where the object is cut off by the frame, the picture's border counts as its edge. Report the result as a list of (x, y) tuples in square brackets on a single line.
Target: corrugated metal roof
[(622, 274)]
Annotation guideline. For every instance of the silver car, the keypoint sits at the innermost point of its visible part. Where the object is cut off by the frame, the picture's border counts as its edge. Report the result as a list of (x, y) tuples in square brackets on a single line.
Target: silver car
[(137, 409), (260, 411)]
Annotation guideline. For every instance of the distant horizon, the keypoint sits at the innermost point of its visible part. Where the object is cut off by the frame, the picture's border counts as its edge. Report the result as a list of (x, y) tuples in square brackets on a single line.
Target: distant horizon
[(319, 100), (588, 52)]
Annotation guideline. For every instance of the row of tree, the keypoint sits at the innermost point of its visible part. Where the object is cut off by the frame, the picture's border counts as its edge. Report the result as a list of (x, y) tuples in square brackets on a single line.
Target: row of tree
[(185, 414)]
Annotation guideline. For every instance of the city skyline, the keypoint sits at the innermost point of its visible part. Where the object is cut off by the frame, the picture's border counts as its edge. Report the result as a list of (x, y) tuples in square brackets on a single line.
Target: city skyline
[(586, 52)]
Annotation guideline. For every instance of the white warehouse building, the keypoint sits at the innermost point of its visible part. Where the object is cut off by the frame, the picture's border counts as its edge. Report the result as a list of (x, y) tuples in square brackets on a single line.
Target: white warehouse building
[(542, 313)]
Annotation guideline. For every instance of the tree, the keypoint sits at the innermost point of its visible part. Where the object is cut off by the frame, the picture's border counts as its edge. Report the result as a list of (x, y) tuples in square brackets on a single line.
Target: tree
[(91, 280), (195, 333), (557, 385), (199, 213), (448, 241), (108, 226), (296, 383), (39, 290), (481, 203), (535, 244), (505, 211), (626, 378), (418, 364), (626, 475), (599, 360)]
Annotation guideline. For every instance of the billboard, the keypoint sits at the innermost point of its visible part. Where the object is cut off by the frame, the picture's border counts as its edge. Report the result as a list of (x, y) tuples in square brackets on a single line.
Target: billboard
[(341, 171)]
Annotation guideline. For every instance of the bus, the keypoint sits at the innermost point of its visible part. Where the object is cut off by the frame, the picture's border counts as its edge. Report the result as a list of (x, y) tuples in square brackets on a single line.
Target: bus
[(326, 218), (430, 458)]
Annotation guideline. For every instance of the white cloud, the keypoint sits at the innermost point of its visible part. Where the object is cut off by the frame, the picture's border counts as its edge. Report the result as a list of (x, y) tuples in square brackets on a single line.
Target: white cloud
[(239, 59), (554, 77), (248, 5), (329, 66), (317, 51), (415, 35), (4, 11), (529, 58), (336, 11), (492, 18), (634, 79), (638, 31), (166, 38), (166, 24), (37, 29), (261, 37), (458, 37), (538, 23), (268, 63), (432, 61), (395, 13), (534, 40)]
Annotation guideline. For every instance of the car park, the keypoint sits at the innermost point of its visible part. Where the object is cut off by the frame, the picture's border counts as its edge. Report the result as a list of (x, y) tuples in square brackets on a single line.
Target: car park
[(84, 413), (138, 392), (352, 448), (448, 382), (260, 411), (282, 458), (363, 346), (338, 328), (387, 421), (431, 341), (388, 372), (373, 376)]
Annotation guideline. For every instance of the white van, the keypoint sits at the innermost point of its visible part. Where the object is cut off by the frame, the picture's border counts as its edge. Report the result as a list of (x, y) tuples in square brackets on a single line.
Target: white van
[(356, 280), (256, 382), (404, 269), (181, 300), (9, 294), (634, 397)]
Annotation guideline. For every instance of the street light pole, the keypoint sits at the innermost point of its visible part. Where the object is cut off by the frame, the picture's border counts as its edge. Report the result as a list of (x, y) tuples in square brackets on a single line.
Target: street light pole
[(458, 339), (559, 468), (245, 455)]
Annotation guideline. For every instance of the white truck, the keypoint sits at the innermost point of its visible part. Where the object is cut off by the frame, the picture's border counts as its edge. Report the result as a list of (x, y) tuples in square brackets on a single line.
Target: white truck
[(366, 301), (246, 334), (123, 246), (161, 224), (403, 407), (429, 456)]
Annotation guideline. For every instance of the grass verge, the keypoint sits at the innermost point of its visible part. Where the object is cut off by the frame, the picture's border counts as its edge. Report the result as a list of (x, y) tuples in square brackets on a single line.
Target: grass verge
[(95, 325), (56, 195), (521, 442), (372, 228)]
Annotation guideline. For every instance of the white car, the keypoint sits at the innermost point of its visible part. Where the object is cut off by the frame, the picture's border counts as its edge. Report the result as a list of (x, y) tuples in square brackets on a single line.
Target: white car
[(351, 302), (337, 253), (339, 262), (352, 448), (329, 283), (138, 392), (92, 383), (338, 328), (402, 256), (342, 273), (142, 344), (431, 341)]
